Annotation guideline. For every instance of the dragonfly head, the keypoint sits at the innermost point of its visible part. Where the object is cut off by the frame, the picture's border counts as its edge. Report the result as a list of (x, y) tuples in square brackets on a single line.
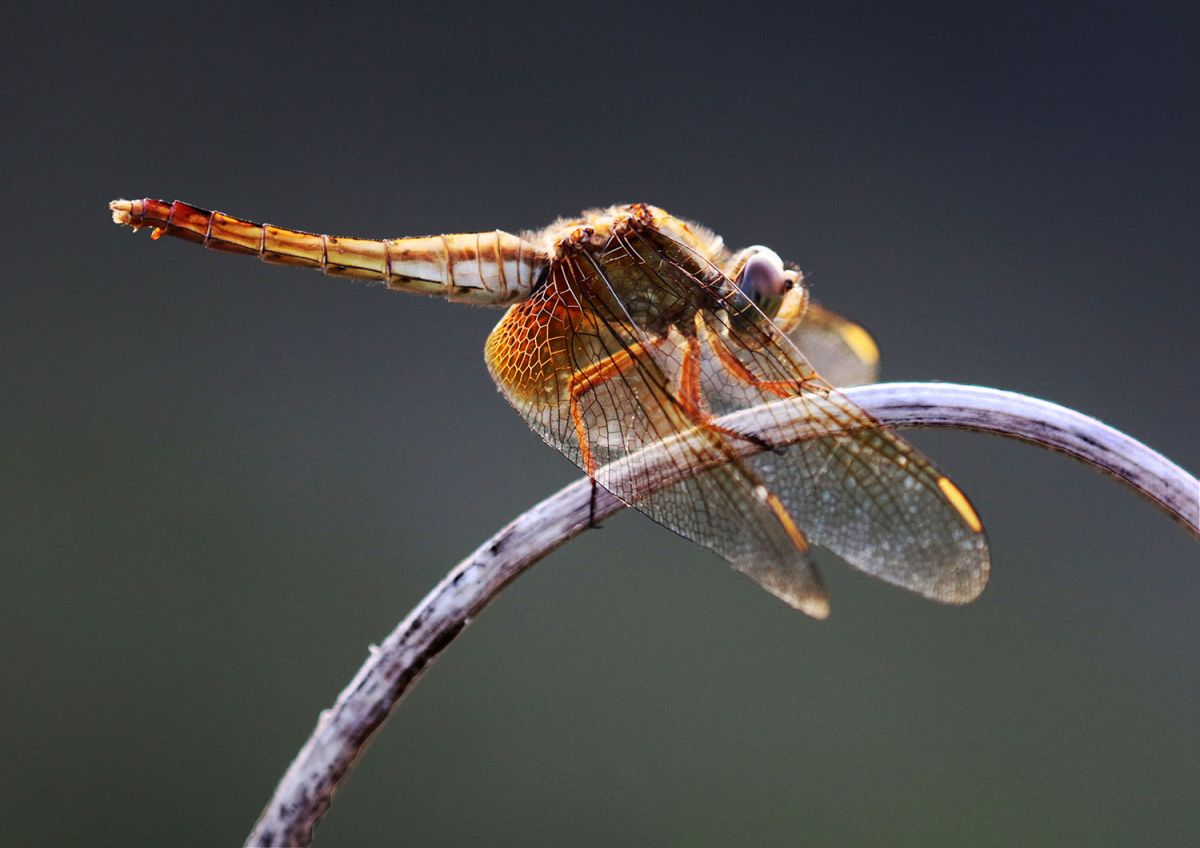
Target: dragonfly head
[(767, 289)]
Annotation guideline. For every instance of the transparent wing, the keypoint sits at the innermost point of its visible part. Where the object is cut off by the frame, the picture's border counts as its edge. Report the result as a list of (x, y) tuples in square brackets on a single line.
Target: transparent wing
[(593, 387), (852, 485), (856, 488), (841, 351), (600, 376)]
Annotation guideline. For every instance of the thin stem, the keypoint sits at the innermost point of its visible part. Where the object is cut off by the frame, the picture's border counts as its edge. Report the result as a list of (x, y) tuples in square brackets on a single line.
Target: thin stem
[(306, 789)]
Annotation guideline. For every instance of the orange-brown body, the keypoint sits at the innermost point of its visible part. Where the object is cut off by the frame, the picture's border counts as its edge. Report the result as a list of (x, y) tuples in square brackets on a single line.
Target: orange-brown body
[(486, 268), (628, 327)]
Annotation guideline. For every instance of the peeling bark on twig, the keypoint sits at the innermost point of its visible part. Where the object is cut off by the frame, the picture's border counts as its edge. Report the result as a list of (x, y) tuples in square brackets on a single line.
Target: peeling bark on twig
[(306, 789)]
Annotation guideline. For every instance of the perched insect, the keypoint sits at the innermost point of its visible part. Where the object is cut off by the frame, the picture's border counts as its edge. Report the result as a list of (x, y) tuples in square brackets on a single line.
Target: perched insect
[(628, 327)]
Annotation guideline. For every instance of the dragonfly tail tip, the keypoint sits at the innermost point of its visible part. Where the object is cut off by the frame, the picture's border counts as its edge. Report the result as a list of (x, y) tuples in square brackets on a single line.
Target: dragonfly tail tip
[(121, 212)]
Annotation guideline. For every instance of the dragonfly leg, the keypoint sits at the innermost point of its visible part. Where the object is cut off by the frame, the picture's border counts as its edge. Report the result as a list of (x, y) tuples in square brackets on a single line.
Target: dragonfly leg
[(582, 381), (692, 399), (592, 523), (738, 369)]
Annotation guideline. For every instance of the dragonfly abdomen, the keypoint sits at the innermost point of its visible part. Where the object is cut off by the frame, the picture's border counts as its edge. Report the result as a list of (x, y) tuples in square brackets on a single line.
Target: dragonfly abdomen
[(484, 268)]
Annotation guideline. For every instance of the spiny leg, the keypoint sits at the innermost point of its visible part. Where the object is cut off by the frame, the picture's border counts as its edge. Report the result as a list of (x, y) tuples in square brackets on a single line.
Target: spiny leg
[(595, 375), (738, 369), (692, 399)]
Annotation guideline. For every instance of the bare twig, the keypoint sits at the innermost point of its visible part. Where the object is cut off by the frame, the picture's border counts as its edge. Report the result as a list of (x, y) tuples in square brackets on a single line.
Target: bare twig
[(306, 789)]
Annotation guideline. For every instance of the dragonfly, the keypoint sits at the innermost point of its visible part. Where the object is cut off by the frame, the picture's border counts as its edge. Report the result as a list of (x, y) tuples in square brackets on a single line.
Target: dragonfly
[(628, 327)]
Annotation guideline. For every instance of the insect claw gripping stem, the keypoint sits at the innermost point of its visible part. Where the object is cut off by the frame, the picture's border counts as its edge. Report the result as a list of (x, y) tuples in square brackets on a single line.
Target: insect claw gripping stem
[(593, 524)]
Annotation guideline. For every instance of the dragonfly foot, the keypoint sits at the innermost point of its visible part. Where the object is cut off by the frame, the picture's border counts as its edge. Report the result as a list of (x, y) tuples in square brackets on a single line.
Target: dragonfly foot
[(765, 444), (593, 524)]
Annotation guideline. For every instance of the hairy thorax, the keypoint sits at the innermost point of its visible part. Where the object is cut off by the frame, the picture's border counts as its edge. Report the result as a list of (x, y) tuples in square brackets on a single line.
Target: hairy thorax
[(619, 278), (595, 228), (604, 262)]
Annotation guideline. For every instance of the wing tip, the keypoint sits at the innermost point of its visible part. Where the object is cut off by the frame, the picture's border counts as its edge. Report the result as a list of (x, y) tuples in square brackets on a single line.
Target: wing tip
[(962, 506), (969, 591), (817, 608), (814, 602), (861, 343)]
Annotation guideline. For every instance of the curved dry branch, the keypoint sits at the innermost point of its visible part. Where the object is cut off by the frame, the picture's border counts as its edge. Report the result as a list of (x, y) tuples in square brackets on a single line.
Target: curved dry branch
[(306, 789)]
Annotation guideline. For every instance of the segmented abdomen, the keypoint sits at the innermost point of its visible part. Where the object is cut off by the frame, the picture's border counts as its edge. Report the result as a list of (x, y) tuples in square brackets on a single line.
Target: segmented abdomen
[(486, 268)]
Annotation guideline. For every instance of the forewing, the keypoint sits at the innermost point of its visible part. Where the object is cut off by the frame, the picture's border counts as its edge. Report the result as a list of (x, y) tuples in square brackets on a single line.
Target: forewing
[(850, 484), (841, 351)]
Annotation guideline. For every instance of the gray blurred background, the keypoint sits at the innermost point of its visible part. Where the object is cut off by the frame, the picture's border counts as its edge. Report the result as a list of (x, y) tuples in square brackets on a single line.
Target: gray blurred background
[(222, 479)]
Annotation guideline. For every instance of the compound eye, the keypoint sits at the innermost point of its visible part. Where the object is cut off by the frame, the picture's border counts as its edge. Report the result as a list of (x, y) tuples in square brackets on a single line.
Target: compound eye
[(764, 281)]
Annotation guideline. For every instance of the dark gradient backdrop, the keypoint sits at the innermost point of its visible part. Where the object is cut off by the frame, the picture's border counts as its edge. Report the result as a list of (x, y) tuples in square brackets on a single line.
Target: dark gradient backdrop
[(222, 480)]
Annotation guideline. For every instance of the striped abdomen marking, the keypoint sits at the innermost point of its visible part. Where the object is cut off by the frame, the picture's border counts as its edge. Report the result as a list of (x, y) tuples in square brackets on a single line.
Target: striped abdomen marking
[(485, 268)]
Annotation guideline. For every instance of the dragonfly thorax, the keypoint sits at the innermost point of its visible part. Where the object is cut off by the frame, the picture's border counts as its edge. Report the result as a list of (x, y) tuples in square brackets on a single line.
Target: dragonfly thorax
[(621, 253), (625, 256), (594, 230)]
